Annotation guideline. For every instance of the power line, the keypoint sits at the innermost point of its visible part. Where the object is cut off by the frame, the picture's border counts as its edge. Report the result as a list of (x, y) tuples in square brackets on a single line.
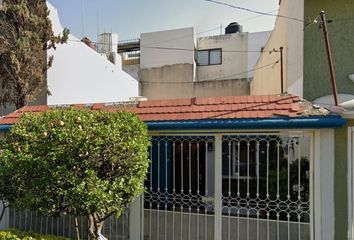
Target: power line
[(188, 49), (253, 11), (220, 78), (192, 50), (176, 38)]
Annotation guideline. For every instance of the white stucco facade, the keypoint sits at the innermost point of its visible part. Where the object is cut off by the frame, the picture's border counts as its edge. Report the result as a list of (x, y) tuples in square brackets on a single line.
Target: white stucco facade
[(81, 75), (157, 48)]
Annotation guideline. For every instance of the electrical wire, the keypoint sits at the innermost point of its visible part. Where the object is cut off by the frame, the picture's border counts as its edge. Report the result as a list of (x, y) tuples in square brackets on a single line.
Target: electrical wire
[(314, 21), (220, 78), (188, 49), (253, 11)]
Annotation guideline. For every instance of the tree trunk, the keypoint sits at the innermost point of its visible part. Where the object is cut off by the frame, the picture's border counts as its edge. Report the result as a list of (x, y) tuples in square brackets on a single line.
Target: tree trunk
[(4, 206), (21, 102), (77, 231), (95, 227)]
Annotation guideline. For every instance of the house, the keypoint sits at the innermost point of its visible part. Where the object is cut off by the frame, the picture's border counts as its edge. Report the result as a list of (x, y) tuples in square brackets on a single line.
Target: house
[(180, 64), (306, 74), (79, 74), (237, 167)]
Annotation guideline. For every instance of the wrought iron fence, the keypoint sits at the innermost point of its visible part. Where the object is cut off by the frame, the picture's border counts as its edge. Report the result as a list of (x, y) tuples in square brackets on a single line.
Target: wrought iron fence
[(25, 220), (213, 186), (254, 186)]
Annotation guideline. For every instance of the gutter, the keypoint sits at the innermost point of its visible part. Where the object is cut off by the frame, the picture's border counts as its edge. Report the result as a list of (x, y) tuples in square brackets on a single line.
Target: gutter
[(256, 123), (250, 123), (5, 127)]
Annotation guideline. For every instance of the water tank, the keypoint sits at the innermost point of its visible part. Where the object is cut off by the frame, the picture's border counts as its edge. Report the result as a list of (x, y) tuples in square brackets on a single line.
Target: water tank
[(233, 27)]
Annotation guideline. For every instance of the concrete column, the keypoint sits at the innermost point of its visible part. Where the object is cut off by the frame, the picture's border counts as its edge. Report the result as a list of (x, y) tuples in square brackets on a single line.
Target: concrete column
[(324, 184)]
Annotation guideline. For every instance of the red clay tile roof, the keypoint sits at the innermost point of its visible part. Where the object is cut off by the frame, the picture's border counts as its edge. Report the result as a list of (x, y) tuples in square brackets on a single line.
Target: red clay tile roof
[(229, 107)]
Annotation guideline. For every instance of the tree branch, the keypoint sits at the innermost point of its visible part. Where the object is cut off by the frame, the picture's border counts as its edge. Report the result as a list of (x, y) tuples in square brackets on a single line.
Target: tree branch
[(101, 219)]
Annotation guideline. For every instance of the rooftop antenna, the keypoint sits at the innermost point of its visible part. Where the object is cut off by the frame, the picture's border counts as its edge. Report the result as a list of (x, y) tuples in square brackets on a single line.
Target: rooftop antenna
[(82, 18), (98, 29)]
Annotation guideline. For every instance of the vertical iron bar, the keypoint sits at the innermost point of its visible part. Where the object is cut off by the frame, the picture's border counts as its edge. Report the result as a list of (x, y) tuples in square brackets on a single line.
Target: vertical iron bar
[(166, 189), (229, 193), (150, 195), (198, 189), (278, 196), (299, 187), (267, 195), (158, 191), (182, 191), (288, 196), (174, 187), (206, 192), (238, 186), (190, 186), (248, 188), (257, 176)]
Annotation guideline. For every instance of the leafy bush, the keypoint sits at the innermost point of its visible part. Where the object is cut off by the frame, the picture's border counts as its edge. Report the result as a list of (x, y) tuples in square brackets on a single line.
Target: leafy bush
[(76, 162), (13, 234)]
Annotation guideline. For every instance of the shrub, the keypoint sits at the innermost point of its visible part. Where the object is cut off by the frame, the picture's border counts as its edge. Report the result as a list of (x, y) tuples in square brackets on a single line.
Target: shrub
[(13, 234), (76, 162)]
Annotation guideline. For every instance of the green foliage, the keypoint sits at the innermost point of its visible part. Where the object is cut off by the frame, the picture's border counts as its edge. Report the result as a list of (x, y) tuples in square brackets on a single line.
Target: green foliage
[(74, 162), (25, 35), (18, 235)]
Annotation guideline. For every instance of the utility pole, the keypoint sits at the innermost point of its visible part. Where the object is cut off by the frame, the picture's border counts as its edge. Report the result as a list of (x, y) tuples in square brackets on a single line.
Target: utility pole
[(329, 56), (281, 71)]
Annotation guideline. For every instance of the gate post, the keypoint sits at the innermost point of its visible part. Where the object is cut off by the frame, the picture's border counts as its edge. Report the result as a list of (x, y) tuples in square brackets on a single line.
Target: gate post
[(218, 188), (136, 219)]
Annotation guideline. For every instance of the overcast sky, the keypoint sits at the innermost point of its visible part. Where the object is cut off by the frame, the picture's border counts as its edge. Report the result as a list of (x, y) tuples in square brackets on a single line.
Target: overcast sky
[(129, 18)]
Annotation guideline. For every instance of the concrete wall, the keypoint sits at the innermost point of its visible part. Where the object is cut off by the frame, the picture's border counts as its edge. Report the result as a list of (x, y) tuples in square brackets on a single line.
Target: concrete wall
[(167, 73), (288, 34), (153, 56), (174, 81), (179, 84), (316, 71), (256, 41), (234, 64), (341, 185)]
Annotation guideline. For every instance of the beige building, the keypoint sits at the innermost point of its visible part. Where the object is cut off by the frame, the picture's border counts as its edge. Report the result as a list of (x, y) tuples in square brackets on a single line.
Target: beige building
[(288, 33), (177, 64)]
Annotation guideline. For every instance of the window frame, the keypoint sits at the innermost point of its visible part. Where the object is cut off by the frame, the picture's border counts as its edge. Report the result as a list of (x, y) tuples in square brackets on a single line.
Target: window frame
[(209, 50)]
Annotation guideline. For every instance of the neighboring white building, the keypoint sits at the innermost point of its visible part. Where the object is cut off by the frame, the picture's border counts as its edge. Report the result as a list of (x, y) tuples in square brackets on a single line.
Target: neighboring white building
[(176, 64), (81, 75)]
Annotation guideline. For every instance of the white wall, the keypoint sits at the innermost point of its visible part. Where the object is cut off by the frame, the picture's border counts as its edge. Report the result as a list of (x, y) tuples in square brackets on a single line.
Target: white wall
[(234, 57), (81, 75), (151, 57), (324, 184), (256, 41)]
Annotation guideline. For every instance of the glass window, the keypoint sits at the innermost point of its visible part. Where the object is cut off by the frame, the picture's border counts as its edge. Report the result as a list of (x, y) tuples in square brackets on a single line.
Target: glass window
[(209, 57), (203, 58), (215, 56)]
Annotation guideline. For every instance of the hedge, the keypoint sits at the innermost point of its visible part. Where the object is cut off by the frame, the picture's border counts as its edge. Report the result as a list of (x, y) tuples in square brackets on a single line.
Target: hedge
[(13, 234)]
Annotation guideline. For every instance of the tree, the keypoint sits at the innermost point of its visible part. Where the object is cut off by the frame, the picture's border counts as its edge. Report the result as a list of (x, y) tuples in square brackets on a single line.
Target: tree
[(75, 162), (25, 36)]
